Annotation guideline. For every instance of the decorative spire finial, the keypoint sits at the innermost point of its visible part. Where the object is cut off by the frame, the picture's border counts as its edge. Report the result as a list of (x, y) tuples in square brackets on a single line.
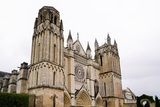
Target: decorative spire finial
[(96, 45), (88, 51), (108, 39), (115, 43), (88, 47), (61, 25), (69, 36), (77, 36)]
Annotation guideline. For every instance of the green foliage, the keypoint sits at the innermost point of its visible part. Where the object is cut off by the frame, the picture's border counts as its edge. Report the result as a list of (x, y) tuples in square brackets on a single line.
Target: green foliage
[(140, 98), (150, 98), (14, 100), (138, 102)]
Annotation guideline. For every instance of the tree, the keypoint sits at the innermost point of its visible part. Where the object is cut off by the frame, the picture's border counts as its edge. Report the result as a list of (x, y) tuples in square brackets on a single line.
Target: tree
[(138, 102), (157, 101)]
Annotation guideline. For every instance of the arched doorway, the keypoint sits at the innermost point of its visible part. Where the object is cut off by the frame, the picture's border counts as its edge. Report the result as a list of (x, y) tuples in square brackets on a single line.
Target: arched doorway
[(83, 99), (67, 102)]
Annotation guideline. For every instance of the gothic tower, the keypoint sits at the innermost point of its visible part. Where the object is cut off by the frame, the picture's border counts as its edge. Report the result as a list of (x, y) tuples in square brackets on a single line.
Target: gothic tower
[(46, 77), (110, 74)]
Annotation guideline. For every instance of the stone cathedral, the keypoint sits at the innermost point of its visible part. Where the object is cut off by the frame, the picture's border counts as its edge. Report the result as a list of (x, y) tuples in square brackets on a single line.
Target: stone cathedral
[(59, 76)]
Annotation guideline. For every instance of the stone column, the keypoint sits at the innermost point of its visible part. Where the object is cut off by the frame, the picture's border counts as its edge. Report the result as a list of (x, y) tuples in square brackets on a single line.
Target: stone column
[(34, 50), (43, 45), (40, 48), (57, 51), (32, 53), (47, 44), (37, 52), (92, 84), (34, 58), (51, 47), (60, 51), (105, 63), (89, 85), (62, 56), (62, 47), (71, 76), (54, 47)]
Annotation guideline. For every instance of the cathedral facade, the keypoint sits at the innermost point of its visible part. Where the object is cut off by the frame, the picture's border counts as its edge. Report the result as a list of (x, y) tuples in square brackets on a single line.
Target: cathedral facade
[(68, 76)]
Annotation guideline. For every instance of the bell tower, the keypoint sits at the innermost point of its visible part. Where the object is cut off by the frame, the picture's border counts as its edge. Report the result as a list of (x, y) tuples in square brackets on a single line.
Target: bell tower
[(46, 79), (110, 73)]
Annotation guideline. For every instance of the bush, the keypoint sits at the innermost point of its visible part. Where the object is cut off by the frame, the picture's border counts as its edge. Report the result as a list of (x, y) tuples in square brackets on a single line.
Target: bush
[(14, 100)]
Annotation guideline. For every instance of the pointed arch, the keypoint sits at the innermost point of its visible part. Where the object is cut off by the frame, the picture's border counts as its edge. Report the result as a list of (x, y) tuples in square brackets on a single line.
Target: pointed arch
[(55, 20), (96, 87), (83, 99)]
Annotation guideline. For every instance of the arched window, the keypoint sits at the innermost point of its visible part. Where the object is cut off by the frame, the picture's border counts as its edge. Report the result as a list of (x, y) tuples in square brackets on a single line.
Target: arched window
[(41, 18), (96, 88), (105, 89), (54, 49), (37, 78), (51, 20), (38, 52), (54, 76), (55, 20), (54, 100), (101, 61)]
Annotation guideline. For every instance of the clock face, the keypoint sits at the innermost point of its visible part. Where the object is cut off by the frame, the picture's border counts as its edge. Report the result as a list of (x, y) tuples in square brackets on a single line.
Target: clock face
[(79, 73)]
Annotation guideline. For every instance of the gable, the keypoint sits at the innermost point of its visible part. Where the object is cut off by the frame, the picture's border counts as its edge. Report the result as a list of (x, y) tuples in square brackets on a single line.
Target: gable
[(78, 48)]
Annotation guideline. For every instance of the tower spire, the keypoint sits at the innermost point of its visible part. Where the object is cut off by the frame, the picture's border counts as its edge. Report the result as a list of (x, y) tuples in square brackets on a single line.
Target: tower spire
[(61, 25), (61, 29), (115, 43), (108, 39), (69, 36), (77, 36), (96, 45), (69, 40), (88, 51), (88, 47)]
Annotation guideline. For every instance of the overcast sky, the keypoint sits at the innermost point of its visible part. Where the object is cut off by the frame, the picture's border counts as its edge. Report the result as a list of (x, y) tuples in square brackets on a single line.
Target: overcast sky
[(135, 24)]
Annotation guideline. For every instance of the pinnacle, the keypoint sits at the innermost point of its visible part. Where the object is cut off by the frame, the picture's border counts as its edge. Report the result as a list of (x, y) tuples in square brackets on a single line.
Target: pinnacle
[(96, 40), (108, 36), (108, 39), (77, 36), (88, 47), (69, 36), (61, 25), (115, 43)]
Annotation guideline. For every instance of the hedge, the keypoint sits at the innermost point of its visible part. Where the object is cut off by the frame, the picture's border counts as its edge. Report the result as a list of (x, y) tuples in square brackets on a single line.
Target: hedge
[(14, 100)]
